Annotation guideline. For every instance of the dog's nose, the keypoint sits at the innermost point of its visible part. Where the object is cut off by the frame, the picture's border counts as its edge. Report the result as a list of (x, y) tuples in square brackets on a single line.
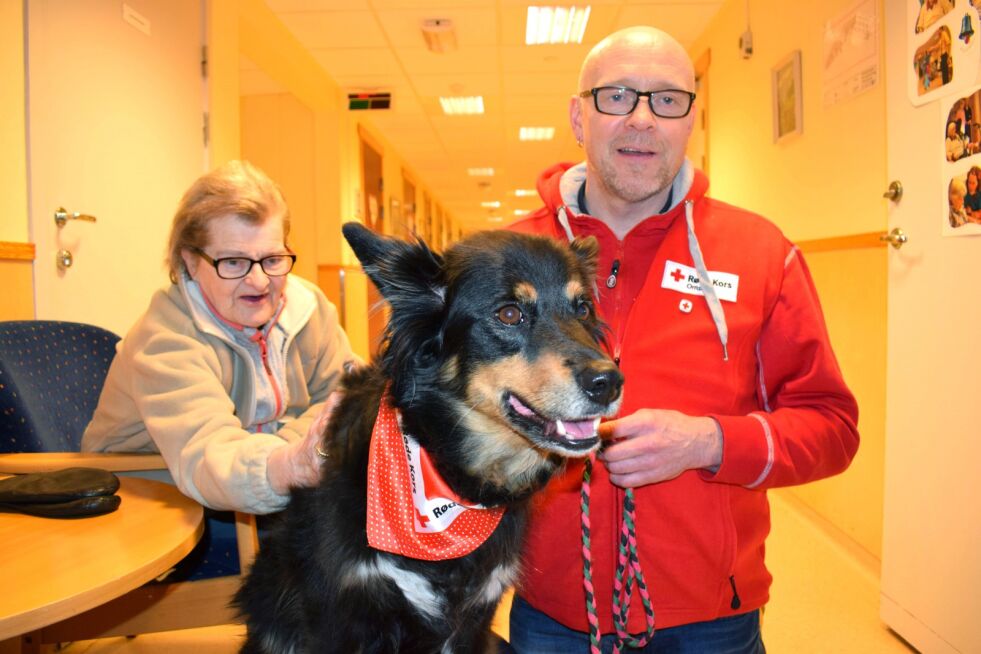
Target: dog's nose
[(601, 381)]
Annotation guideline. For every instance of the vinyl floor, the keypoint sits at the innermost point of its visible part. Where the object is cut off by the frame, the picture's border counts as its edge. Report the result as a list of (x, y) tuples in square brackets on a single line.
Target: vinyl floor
[(824, 600)]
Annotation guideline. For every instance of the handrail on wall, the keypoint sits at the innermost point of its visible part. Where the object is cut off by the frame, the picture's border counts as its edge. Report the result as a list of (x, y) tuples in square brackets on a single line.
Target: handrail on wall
[(850, 242), (16, 251)]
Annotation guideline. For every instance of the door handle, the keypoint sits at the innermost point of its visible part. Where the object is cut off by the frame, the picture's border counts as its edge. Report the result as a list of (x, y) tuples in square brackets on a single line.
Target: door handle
[(62, 216), (894, 192), (895, 238)]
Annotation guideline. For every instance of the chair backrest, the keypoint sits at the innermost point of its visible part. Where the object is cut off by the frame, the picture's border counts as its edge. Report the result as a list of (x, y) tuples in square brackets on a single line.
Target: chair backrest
[(51, 375)]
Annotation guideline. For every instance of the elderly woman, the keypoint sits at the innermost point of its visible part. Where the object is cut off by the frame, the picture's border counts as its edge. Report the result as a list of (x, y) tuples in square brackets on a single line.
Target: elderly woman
[(228, 369)]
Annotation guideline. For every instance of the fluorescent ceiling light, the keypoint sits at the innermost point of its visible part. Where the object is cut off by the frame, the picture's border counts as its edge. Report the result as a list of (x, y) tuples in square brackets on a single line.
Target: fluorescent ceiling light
[(459, 105), (536, 133), (491, 205), (525, 193), (495, 219), (556, 25), (521, 212), (480, 172)]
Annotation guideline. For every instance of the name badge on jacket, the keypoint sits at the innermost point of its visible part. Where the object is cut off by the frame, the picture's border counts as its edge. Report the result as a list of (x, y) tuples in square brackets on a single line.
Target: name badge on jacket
[(684, 279)]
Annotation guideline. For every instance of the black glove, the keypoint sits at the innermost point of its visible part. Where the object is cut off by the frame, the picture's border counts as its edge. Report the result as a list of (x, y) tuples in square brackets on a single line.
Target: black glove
[(67, 493)]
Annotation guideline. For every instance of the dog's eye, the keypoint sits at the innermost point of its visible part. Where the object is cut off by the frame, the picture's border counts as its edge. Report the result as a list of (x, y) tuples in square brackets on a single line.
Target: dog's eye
[(583, 311), (510, 315)]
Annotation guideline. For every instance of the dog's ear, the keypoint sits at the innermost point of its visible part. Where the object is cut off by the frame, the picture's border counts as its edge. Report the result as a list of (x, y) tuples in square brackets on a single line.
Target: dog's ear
[(410, 277), (400, 270), (586, 250)]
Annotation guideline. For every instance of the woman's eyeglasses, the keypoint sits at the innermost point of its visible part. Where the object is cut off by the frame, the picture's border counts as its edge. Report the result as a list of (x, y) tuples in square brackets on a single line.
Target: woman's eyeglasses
[(275, 265)]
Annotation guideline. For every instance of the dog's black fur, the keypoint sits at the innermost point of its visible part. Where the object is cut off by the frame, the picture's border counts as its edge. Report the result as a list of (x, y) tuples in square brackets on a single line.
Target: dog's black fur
[(498, 316)]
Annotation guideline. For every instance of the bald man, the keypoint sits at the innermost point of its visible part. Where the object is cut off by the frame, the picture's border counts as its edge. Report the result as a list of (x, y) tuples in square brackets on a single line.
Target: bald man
[(732, 387)]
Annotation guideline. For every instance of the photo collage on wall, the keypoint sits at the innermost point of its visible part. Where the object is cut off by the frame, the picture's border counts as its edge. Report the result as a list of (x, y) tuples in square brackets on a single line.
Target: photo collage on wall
[(945, 52)]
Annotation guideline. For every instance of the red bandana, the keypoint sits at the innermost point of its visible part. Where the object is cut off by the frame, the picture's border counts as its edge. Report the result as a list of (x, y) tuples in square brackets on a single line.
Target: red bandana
[(411, 510)]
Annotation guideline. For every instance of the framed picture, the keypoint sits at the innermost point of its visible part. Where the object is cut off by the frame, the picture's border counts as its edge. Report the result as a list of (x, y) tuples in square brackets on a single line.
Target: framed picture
[(787, 114)]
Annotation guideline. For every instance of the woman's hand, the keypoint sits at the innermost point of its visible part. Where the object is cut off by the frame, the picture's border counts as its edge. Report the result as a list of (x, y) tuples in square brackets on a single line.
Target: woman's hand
[(298, 463)]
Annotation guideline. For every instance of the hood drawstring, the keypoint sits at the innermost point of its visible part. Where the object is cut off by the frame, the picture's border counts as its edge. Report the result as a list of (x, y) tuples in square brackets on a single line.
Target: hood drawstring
[(714, 304), (711, 297)]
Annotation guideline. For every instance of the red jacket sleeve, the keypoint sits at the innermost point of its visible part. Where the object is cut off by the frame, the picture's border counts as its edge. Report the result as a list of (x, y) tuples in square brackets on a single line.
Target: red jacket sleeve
[(808, 428)]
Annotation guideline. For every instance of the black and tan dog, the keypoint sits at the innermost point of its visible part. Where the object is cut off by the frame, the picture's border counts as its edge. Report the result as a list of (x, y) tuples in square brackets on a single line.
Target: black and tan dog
[(490, 375)]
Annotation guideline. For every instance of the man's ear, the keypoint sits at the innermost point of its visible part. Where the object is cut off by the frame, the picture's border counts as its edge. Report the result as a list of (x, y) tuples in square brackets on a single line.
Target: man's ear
[(575, 117)]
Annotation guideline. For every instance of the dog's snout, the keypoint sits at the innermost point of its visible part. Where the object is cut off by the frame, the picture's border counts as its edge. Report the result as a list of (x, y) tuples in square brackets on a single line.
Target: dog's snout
[(601, 381)]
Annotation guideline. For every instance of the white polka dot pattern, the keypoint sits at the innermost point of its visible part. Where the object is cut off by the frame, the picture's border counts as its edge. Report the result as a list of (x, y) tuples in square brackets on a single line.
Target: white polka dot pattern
[(392, 514)]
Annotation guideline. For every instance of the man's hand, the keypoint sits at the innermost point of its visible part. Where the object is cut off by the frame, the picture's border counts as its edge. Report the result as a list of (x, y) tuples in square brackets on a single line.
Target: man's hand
[(655, 445)]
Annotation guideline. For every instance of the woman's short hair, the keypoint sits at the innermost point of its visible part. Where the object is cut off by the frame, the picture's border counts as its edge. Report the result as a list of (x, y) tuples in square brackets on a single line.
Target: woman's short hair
[(236, 188)]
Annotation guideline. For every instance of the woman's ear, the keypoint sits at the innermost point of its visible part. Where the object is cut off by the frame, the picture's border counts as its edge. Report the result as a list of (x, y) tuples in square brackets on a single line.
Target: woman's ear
[(191, 262)]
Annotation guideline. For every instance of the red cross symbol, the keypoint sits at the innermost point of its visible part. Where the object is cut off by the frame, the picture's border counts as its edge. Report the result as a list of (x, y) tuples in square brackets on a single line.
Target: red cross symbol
[(678, 275)]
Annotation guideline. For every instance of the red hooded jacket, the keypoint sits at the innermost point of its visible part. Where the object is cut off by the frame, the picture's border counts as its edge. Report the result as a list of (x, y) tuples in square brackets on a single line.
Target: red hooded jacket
[(786, 414)]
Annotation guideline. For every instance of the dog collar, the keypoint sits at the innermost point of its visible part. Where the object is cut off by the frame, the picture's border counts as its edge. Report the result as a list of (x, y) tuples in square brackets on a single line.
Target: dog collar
[(411, 509)]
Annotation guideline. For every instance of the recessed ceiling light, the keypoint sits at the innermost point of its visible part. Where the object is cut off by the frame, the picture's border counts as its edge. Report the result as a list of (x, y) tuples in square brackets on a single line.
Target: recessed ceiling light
[(495, 204), (556, 25), (525, 193), (536, 133), (480, 172), (459, 105)]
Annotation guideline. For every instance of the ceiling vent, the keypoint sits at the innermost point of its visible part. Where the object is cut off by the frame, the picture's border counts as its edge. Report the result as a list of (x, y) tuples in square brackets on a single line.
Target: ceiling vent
[(367, 101)]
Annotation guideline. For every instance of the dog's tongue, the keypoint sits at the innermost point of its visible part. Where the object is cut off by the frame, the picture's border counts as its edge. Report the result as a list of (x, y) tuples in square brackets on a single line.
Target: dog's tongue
[(576, 430), (570, 429)]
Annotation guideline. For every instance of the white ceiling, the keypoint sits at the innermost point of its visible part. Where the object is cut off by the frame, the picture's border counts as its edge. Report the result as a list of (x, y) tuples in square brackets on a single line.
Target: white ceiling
[(377, 45)]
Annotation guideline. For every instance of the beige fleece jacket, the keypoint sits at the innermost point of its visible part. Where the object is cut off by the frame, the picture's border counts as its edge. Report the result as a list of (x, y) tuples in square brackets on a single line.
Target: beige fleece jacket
[(182, 388)]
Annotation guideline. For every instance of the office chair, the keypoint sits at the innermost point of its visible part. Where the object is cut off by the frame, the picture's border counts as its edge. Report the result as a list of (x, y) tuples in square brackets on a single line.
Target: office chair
[(51, 375)]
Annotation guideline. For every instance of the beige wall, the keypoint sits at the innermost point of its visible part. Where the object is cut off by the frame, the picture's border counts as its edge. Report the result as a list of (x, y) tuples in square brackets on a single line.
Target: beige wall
[(17, 299), (278, 136), (13, 156), (826, 182)]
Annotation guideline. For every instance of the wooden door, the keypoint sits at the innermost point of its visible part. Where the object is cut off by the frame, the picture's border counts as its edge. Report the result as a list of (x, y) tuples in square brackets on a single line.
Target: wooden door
[(115, 107), (931, 568)]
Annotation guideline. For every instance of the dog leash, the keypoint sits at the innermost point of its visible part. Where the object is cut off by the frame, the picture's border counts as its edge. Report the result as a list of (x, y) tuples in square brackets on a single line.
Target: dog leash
[(628, 574)]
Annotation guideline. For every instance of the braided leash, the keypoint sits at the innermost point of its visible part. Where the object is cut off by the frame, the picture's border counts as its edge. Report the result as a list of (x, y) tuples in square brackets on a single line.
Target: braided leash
[(628, 574)]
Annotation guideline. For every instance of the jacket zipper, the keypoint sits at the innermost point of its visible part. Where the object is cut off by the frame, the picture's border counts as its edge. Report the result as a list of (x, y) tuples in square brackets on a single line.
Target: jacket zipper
[(736, 602), (611, 281), (260, 340)]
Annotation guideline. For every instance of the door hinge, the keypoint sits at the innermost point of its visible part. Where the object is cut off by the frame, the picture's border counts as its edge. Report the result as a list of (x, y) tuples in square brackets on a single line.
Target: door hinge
[(204, 61), (206, 128)]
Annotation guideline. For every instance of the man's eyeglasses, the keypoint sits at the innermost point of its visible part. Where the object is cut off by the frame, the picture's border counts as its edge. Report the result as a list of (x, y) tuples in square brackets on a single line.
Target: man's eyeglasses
[(620, 101), (275, 265)]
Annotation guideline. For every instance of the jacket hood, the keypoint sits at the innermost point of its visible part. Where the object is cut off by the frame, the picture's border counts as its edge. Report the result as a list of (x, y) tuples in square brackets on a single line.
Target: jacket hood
[(559, 186)]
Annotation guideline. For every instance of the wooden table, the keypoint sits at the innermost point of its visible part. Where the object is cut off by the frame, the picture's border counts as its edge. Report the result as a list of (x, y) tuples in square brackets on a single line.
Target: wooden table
[(52, 569)]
